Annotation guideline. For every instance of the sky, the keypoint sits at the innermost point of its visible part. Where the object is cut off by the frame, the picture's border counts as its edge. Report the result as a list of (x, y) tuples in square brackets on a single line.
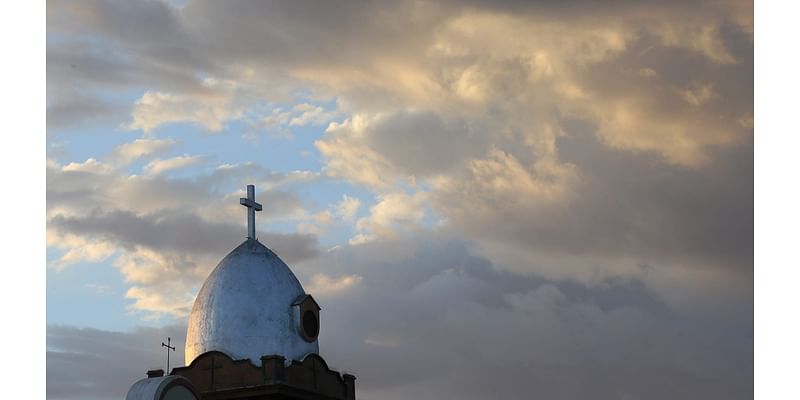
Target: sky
[(487, 198)]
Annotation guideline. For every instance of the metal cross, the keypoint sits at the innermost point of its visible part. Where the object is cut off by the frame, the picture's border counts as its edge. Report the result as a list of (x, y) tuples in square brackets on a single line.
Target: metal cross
[(169, 339), (212, 368), (252, 207)]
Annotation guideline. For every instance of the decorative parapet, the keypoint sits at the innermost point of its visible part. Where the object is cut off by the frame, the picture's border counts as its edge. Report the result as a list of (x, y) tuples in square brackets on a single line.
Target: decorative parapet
[(216, 376)]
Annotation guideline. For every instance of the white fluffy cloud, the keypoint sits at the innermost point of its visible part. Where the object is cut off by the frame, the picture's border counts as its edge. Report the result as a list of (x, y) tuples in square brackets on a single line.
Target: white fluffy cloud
[(393, 213), (156, 167), (127, 152), (155, 109), (348, 207)]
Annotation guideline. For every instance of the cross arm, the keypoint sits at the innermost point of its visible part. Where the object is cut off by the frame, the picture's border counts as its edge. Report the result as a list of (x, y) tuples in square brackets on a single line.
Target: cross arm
[(250, 203)]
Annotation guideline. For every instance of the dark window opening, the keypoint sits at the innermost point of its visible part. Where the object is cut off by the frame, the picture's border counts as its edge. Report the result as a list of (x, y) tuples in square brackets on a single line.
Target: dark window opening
[(310, 324)]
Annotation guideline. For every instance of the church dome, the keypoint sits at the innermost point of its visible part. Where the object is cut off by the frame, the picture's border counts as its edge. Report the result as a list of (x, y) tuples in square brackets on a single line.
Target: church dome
[(252, 305)]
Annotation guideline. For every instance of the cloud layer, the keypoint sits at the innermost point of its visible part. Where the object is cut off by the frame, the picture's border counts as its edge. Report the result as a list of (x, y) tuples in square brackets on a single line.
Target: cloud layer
[(425, 318), (555, 197)]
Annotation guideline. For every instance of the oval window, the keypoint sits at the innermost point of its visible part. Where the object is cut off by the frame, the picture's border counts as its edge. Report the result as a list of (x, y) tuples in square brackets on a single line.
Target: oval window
[(310, 325)]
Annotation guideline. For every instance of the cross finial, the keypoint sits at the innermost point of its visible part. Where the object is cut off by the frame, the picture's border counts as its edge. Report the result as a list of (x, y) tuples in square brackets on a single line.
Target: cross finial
[(252, 207), (167, 345)]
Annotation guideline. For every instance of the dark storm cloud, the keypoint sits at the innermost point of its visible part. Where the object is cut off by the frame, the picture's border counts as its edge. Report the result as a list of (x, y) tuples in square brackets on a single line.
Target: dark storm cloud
[(83, 67), (277, 46), (82, 111), (555, 8), (428, 320), (147, 28), (307, 33), (628, 205), (421, 143), (105, 45)]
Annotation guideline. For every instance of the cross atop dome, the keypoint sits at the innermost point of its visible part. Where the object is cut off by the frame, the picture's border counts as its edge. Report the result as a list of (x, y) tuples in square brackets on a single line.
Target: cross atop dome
[(252, 207), (253, 332), (252, 305)]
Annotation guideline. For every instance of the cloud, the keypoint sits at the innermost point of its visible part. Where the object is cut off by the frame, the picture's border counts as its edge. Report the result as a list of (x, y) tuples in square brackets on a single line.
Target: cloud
[(348, 208), (182, 248), (704, 39), (157, 167), (323, 284), (77, 248), (81, 111), (210, 110), (501, 178), (331, 218), (308, 114), (484, 330), (647, 72), (615, 209), (698, 95), (420, 143), (125, 153), (87, 363), (81, 188), (458, 63), (150, 227), (99, 289), (349, 158), (478, 108), (91, 165), (281, 122), (162, 232), (392, 214), (589, 166), (481, 330)]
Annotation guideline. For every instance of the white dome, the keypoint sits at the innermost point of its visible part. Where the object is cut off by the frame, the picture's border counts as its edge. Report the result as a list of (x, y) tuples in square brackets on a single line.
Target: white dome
[(244, 309)]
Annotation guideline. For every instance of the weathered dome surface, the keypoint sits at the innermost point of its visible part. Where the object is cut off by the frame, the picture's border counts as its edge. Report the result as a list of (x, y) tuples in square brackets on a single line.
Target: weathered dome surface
[(244, 308)]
